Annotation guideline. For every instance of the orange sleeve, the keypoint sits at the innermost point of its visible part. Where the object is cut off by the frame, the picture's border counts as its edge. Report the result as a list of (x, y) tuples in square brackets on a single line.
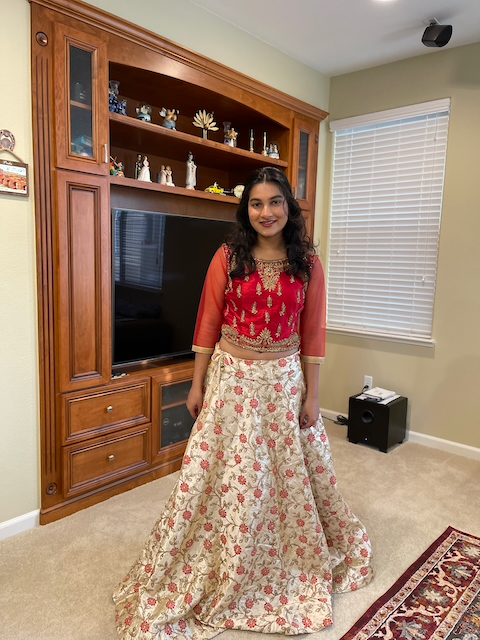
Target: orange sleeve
[(313, 317), (210, 308)]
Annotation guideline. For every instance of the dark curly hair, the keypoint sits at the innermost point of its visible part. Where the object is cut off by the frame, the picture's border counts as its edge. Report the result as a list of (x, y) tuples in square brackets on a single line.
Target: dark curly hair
[(243, 238)]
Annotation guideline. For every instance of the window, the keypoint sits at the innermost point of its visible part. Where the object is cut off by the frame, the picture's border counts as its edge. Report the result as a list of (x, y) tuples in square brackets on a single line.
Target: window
[(385, 222)]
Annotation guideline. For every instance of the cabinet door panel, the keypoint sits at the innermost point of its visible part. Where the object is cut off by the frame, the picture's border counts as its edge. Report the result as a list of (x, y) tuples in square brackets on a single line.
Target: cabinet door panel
[(97, 463), (105, 409), (83, 281), (81, 98)]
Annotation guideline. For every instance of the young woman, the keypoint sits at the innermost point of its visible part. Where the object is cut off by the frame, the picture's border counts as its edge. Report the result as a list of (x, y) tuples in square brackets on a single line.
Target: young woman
[(255, 535)]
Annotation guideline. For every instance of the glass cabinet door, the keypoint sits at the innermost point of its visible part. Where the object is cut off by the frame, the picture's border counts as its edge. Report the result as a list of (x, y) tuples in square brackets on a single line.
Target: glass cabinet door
[(304, 164), (171, 422), (80, 101), (81, 104)]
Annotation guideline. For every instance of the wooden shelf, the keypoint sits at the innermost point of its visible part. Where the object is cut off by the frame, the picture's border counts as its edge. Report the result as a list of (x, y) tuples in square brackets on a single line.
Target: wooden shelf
[(152, 139), (127, 193)]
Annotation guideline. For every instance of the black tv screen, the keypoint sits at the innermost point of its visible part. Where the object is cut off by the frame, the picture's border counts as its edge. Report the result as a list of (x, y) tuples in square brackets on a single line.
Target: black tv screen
[(159, 264)]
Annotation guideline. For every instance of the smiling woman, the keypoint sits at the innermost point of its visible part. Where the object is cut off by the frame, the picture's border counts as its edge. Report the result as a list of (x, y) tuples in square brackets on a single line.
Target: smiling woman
[(255, 535)]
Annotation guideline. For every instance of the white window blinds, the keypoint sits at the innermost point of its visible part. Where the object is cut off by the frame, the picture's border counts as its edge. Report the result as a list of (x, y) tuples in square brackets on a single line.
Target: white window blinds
[(385, 221)]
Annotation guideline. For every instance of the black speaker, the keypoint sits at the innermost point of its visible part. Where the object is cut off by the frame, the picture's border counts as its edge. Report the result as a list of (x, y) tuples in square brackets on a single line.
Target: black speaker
[(379, 425), (437, 35)]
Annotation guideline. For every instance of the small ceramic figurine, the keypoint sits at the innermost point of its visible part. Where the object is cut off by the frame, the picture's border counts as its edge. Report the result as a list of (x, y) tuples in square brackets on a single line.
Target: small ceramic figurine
[(114, 104), (273, 150), (116, 168), (162, 175), (229, 134), (169, 117), (191, 180), (144, 175), (138, 165), (168, 172), (143, 111)]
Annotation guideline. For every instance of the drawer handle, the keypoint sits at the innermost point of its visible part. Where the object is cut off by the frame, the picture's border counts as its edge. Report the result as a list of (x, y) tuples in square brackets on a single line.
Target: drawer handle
[(111, 458), (109, 408)]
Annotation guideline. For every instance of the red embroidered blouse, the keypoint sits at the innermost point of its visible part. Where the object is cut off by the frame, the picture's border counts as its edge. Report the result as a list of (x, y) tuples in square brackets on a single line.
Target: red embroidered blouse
[(266, 311)]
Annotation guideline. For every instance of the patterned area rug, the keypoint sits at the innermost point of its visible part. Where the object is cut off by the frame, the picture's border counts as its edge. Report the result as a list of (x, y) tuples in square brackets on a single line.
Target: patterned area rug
[(437, 598)]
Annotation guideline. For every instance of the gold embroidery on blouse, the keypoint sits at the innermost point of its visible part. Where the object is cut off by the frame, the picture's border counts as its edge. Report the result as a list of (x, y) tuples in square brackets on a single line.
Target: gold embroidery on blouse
[(258, 289), (269, 302), (298, 296), (283, 308), (254, 307), (252, 329), (279, 290), (263, 342), (234, 322), (269, 272), (242, 316), (267, 317), (235, 308), (239, 291), (279, 331)]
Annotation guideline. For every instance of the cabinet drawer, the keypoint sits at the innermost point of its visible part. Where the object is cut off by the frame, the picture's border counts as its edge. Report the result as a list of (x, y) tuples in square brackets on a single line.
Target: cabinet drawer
[(100, 462), (105, 410)]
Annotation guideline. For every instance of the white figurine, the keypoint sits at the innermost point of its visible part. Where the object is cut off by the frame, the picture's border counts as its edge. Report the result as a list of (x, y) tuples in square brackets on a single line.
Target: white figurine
[(191, 180), (168, 171), (144, 174), (162, 175)]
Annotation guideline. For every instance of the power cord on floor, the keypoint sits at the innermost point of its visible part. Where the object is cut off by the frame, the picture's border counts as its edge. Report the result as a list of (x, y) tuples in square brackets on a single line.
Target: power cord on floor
[(343, 419), (340, 419)]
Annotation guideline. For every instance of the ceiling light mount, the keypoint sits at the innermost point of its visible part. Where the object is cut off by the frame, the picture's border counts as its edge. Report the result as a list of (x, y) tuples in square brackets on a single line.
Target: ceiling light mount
[(436, 34)]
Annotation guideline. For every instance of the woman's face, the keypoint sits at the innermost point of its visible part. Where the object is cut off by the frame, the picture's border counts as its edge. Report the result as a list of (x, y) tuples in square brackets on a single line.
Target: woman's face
[(267, 210)]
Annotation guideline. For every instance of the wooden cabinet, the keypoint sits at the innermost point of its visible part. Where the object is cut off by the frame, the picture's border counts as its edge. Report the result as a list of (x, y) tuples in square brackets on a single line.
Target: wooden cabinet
[(82, 281), (81, 82), (101, 434)]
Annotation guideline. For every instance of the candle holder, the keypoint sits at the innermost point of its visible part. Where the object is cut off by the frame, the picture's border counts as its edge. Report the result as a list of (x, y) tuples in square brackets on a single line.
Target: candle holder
[(252, 141), (265, 148)]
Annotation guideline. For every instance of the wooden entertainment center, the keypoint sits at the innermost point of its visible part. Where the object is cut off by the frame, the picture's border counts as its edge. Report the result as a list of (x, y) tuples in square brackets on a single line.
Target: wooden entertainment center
[(101, 433)]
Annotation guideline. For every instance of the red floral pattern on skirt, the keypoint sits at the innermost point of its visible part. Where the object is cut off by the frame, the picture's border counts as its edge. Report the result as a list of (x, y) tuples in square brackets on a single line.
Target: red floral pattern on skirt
[(255, 535)]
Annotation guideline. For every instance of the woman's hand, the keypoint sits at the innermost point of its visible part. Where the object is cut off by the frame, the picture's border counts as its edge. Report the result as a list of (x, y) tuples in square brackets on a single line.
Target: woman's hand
[(310, 408), (309, 413), (194, 402)]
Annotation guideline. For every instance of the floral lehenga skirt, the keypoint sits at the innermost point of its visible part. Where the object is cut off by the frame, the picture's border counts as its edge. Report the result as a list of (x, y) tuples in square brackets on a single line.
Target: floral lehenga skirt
[(255, 534)]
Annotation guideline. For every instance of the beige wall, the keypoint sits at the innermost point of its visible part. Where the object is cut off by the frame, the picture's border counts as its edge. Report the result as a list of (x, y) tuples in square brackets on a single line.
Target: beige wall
[(182, 22), (442, 383)]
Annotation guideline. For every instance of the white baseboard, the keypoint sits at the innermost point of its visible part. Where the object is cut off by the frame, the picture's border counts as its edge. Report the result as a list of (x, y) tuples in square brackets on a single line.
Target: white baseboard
[(19, 524), (457, 448)]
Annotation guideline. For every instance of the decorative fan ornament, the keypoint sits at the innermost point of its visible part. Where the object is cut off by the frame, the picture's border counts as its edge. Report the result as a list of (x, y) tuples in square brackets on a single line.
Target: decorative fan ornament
[(205, 121)]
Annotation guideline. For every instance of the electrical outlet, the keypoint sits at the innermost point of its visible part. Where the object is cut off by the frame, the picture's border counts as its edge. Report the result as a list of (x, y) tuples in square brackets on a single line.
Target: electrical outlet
[(367, 382)]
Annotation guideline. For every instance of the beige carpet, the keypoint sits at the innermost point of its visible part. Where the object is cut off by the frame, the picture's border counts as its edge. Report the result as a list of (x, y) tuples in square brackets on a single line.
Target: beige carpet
[(56, 580)]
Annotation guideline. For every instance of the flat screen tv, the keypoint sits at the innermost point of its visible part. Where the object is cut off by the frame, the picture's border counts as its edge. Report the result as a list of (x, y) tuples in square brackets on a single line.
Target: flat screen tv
[(159, 264)]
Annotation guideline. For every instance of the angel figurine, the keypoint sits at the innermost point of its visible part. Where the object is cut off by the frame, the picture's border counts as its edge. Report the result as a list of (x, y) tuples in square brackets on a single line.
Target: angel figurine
[(169, 117)]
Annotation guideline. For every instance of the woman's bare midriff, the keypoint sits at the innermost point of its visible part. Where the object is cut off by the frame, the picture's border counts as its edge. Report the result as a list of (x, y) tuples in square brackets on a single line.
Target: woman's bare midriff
[(249, 354)]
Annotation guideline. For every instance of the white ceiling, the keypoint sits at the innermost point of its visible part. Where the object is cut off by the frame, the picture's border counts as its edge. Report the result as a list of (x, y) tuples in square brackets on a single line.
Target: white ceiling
[(339, 36)]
